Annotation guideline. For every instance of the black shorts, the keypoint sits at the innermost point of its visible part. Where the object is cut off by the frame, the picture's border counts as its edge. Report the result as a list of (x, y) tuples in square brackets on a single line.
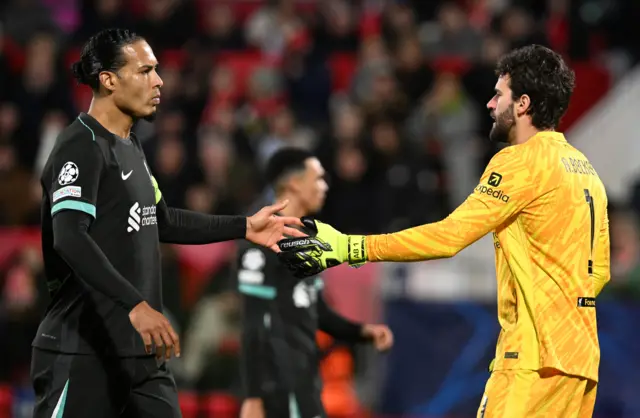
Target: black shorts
[(303, 405), (75, 385)]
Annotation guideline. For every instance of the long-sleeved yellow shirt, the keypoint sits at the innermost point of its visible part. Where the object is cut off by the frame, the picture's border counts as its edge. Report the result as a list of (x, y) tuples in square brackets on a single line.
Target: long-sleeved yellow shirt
[(547, 209)]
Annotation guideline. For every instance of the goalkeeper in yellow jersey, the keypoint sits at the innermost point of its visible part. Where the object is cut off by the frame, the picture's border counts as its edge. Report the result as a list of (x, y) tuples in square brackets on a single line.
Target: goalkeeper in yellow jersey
[(547, 209)]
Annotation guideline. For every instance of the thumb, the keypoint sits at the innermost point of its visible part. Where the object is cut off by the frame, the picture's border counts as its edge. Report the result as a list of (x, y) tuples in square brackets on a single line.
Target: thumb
[(277, 207)]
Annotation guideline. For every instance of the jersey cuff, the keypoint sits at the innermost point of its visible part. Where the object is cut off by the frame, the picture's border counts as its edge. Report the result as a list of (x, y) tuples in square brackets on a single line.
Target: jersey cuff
[(87, 208), (258, 291)]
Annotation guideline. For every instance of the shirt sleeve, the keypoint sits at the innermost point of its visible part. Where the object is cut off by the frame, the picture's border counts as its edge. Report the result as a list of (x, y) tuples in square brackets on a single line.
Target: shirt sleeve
[(180, 226), (72, 241), (602, 258), (75, 176), (506, 187), (335, 324)]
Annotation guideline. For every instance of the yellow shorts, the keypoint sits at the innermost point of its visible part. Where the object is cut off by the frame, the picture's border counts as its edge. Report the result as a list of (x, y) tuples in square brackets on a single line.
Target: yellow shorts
[(544, 393)]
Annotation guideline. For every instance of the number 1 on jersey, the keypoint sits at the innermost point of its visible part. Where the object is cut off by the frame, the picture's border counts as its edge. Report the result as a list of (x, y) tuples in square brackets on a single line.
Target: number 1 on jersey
[(589, 199)]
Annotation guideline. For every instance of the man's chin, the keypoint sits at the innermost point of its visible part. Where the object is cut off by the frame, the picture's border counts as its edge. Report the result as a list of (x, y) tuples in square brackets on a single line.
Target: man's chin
[(499, 136), (151, 116)]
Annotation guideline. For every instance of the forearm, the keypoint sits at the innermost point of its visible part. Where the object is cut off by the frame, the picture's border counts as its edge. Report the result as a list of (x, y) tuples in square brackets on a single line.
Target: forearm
[(426, 242), (338, 326), (177, 226), (82, 254)]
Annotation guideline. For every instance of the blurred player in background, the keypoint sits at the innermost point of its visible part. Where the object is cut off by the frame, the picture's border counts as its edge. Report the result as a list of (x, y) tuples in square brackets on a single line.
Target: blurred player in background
[(547, 209), (103, 342), (282, 313)]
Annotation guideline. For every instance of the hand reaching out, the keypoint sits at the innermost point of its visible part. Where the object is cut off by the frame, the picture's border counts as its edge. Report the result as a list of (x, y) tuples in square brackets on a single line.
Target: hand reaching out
[(266, 228)]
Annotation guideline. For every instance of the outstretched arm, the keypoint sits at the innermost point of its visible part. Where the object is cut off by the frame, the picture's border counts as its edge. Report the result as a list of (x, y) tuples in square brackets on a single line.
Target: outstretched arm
[(337, 325), (179, 226), (505, 188)]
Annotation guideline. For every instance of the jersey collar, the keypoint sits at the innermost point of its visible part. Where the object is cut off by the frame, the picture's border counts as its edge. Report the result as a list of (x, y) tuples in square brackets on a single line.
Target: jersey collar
[(101, 130)]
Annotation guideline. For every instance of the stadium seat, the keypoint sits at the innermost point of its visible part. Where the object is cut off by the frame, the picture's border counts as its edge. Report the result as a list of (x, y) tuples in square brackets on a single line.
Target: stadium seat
[(173, 58), (242, 64), (592, 84), (15, 54), (189, 404), (342, 67), (6, 401), (220, 405), (451, 64)]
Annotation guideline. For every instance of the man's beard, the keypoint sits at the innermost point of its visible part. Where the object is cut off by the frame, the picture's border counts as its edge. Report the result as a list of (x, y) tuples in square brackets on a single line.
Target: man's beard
[(503, 124)]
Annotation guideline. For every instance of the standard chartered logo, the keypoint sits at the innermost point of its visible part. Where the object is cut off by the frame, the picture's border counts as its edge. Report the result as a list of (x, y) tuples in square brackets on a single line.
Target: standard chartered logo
[(140, 216)]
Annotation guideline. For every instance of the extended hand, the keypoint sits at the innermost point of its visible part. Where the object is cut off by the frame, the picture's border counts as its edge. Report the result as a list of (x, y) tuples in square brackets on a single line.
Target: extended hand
[(266, 229), (325, 247), (380, 335)]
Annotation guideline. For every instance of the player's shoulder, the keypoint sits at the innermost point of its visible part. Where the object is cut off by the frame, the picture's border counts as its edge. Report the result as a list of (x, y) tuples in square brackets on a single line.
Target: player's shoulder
[(79, 136)]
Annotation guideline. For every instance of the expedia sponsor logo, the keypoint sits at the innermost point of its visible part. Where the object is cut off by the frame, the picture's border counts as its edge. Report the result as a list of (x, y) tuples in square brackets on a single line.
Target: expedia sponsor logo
[(495, 193), (495, 179)]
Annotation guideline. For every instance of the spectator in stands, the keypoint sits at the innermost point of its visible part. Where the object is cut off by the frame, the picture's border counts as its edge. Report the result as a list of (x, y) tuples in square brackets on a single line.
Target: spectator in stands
[(451, 35), (96, 15), (220, 29), (40, 91)]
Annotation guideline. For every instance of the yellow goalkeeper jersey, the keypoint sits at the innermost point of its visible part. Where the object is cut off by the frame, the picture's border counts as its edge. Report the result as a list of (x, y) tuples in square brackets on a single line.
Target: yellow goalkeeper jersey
[(547, 209)]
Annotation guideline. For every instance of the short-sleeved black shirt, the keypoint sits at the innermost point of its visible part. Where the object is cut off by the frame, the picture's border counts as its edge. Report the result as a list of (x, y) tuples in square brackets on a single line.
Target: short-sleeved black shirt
[(93, 171)]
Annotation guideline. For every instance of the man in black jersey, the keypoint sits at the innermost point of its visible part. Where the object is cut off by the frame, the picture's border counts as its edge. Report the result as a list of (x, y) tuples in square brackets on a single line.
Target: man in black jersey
[(101, 348), (282, 313)]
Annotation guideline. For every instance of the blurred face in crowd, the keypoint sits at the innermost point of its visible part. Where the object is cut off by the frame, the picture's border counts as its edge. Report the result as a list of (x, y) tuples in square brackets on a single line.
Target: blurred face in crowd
[(170, 156), (310, 187), (108, 8), (135, 88), (501, 110), (282, 123), (348, 124), (220, 20), (410, 54)]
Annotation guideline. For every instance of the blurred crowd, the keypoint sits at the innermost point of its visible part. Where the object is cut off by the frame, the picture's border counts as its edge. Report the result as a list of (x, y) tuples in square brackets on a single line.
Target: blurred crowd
[(389, 94)]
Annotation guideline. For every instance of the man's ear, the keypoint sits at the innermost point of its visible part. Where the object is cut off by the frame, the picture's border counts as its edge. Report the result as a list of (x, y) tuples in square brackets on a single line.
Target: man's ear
[(523, 104), (108, 80)]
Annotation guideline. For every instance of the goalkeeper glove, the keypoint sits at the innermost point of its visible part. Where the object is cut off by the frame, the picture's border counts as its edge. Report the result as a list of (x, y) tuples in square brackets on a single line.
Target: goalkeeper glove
[(325, 247)]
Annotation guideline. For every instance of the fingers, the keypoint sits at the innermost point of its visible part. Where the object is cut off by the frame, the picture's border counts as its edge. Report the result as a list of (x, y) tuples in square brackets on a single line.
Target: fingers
[(171, 340), (148, 344), (277, 207), (176, 341), (291, 220), (384, 340), (157, 340), (292, 232), (275, 248)]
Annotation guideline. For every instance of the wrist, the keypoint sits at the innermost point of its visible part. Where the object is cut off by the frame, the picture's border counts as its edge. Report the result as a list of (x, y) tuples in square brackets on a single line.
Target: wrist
[(356, 249)]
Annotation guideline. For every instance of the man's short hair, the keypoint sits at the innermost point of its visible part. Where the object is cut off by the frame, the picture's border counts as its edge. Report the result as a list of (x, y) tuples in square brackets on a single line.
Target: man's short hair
[(543, 75), (284, 162)]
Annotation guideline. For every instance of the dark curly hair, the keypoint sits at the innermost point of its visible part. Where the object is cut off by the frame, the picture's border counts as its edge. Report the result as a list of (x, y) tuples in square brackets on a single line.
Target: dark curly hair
[(103, 52), (543, 75)]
